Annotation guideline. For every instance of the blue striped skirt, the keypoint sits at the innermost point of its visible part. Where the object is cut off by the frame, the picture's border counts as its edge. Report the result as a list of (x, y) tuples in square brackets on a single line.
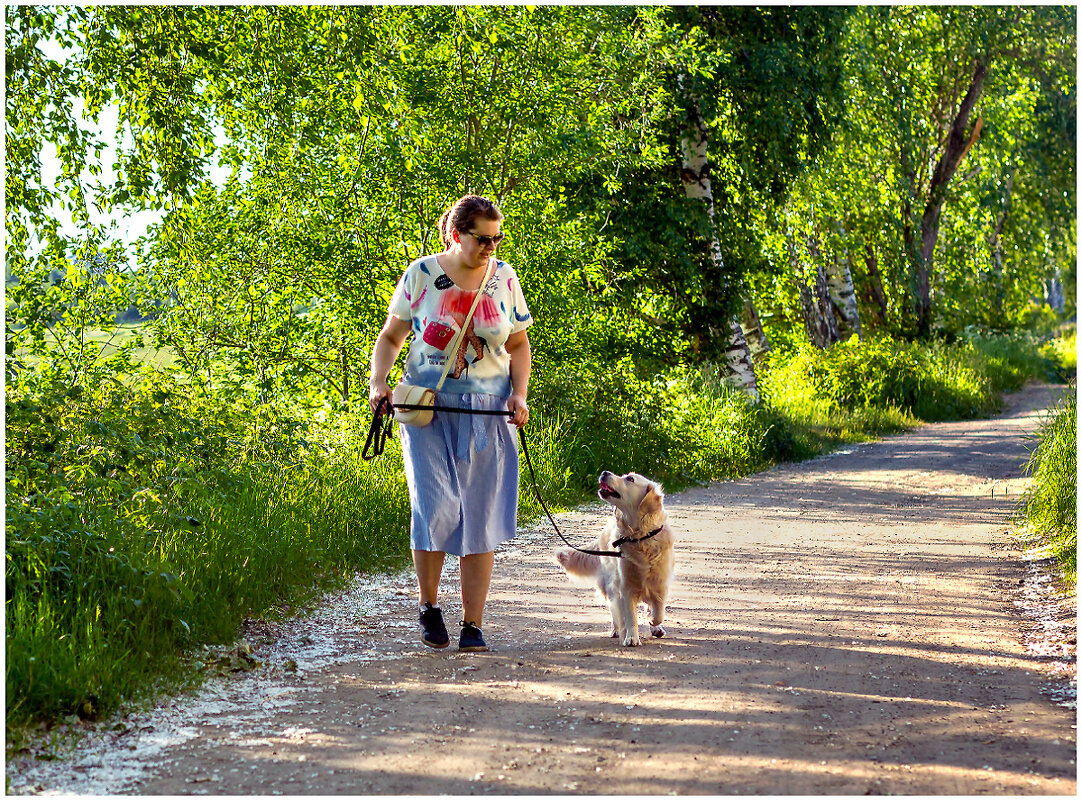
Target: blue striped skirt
[(462, 472)]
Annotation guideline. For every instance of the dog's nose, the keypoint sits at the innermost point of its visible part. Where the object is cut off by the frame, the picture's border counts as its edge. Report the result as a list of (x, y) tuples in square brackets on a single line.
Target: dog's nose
[(604, 476)]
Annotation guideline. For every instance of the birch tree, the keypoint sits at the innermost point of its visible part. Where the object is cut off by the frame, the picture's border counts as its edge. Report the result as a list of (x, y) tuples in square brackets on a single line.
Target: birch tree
[(933, 74), (1000, 210), (843, 296), (695, 174)]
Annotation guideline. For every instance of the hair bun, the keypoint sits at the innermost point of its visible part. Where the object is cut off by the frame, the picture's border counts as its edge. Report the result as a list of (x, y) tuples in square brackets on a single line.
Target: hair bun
[(464, 211)]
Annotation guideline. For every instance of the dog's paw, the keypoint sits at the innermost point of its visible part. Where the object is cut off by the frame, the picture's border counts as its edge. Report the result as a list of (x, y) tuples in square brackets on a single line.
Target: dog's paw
[(614, 634), (632, 640), (657, 631)]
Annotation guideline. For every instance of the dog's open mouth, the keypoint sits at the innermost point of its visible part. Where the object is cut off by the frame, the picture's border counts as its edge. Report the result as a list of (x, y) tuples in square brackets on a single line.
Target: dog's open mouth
[(605, 491)]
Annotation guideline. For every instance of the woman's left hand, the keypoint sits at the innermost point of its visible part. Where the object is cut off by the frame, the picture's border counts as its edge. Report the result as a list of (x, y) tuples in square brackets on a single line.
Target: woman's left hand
[(520, 411)]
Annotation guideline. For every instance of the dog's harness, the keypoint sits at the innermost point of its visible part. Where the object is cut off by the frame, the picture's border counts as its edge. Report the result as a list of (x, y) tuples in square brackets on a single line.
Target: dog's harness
[(382, 429)]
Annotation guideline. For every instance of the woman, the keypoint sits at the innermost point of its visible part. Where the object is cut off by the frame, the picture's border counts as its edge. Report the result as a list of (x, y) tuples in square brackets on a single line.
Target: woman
[(462, 470)]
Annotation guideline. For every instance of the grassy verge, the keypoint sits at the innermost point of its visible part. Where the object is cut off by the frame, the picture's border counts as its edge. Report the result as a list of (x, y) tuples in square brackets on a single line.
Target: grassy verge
[(144, 520), (99, 344), (1050, 506)]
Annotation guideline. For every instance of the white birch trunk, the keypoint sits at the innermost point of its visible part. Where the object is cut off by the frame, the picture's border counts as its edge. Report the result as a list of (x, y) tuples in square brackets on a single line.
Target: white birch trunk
[(816, 307), (696, 179), (1054, 293), (844, 297)]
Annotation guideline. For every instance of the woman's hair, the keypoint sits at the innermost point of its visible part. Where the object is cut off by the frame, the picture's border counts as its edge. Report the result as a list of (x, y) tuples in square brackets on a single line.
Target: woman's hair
[(465, 210)]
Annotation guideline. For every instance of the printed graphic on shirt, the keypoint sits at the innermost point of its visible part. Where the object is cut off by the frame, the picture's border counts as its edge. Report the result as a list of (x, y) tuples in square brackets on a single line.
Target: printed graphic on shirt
[(437, 308)]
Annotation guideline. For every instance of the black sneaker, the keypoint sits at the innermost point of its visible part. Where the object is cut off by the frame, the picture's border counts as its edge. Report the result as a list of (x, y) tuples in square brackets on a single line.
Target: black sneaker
[(471, 639), (433, 632)]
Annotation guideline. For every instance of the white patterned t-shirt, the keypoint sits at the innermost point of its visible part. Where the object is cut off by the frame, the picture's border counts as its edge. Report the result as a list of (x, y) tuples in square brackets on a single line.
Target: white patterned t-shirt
[(436, 309)]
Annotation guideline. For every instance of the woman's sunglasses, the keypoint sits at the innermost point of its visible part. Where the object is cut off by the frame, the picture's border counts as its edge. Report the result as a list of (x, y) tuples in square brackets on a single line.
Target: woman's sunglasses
[(485, 241)]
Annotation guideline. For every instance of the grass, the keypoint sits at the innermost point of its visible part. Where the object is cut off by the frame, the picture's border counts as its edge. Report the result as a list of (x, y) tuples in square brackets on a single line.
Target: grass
[(145, 520), (1062, 353), (142, 523), (1050, 506)]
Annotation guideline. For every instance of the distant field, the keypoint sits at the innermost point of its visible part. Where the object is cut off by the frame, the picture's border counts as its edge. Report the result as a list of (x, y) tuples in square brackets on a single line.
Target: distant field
[(112, 340)]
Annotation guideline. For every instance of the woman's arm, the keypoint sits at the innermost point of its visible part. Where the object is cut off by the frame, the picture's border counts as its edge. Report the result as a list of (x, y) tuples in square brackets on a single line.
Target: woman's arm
[(518, 347), (388, 345)]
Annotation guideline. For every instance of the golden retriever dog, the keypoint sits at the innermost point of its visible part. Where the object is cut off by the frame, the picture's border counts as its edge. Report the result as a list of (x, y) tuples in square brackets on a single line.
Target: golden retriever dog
[(639, 531)]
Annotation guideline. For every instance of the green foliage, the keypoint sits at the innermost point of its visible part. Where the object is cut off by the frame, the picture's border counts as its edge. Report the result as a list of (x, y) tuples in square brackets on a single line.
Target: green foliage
[(1051, 504), (772, 87), (882, 371), (929, 381), (1062, 353), (671, 425), (1008, 360), (765, 86), (999, 226), (281, 277), (144, 519)]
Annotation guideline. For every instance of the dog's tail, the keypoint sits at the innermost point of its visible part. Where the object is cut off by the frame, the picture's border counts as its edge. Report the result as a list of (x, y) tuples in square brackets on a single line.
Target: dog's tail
[(577, 564)]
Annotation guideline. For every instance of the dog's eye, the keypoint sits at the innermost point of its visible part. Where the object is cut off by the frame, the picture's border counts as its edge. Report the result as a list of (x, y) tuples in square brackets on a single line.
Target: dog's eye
[(630, 478)]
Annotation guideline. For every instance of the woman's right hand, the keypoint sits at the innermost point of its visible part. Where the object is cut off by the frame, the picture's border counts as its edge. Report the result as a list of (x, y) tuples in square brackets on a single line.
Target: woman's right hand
[(388, 344), (377, 390)]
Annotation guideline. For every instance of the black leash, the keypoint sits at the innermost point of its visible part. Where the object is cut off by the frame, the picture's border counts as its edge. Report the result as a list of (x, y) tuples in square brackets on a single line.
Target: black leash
[(382, 429), (533, 481)]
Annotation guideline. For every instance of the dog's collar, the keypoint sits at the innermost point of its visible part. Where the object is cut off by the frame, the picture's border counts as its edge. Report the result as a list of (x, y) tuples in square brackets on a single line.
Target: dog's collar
[(625, 540)]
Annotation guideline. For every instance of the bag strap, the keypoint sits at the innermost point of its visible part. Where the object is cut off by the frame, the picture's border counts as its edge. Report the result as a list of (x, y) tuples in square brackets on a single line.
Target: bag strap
[(465, 323)]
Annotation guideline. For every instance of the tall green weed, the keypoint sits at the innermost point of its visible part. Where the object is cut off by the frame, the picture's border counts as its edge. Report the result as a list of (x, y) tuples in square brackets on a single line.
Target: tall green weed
[(1051, 503), (1062, 353), (928, 381), (674, 426), (144, 519)]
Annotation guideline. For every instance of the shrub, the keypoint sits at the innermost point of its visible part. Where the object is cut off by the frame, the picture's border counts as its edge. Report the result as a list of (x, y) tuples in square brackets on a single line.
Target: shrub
[(674, 426), (1062, 354), (1008, 360), (882, 372)]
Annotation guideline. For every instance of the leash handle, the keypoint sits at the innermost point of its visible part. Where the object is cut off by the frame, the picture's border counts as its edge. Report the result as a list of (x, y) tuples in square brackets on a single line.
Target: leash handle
[(382, 426), (379, 431)]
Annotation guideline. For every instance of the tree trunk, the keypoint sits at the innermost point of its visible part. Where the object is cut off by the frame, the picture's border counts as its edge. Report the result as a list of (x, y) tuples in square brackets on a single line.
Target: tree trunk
[(696, 179), (875, 284), (843, 296), (738, 361), (815, 306), (958, 144), (1053, 293), (753, 331)]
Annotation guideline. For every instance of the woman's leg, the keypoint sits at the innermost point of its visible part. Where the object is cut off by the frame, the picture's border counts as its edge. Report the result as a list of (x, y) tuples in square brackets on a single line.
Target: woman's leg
[(476, 570), (429, 566)]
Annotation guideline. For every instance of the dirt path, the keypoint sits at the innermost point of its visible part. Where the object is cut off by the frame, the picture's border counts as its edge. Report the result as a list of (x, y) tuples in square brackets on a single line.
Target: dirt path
[(841, 626)]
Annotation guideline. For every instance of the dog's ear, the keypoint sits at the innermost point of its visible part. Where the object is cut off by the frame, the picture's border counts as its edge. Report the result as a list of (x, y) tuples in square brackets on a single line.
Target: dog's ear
[(650, 504)]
